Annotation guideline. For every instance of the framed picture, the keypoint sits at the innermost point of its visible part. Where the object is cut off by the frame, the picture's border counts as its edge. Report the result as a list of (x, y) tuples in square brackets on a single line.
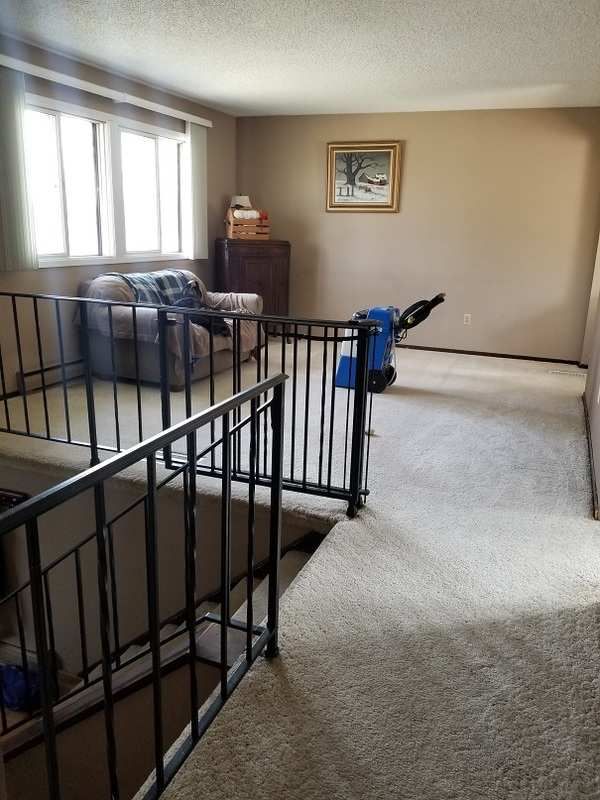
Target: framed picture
[(363, 176)]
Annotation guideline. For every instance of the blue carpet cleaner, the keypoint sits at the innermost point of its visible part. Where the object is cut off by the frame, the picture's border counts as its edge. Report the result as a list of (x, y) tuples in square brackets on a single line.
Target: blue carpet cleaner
[(392, 330)]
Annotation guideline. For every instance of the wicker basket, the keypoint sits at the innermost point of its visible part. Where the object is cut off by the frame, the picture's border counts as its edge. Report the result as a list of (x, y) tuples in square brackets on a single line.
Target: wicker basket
[(246, 228)]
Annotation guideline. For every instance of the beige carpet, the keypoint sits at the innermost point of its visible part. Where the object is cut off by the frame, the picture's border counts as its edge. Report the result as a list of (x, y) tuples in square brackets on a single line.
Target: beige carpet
[(444, 644)]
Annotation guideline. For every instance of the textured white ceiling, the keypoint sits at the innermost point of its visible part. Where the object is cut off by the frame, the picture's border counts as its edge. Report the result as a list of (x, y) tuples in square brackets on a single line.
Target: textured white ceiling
[(333, 56)]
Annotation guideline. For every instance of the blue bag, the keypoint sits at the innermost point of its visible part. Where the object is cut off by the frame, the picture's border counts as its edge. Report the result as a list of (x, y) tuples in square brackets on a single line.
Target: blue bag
[(20, 690)]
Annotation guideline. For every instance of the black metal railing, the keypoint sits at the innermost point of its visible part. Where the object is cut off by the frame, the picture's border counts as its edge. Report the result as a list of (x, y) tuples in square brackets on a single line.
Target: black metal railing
[(33, 519), (106, 374)]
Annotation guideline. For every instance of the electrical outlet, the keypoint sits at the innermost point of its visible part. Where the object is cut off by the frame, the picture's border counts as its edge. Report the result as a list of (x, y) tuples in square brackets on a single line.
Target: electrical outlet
[(467, 319)]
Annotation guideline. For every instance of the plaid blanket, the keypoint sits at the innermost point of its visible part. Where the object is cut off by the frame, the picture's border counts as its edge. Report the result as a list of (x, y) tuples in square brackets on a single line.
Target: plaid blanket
[(162, 288)]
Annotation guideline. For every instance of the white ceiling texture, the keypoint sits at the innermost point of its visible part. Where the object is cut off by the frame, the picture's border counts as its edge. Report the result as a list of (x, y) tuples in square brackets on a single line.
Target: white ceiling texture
[(254, 57)]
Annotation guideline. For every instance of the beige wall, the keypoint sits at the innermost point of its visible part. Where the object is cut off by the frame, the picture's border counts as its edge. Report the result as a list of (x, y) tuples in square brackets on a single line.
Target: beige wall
[(221, 145), (500, 209)]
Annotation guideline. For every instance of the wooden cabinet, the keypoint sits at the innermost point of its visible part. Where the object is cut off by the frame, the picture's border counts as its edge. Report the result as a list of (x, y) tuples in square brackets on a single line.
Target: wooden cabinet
[(260, 267)]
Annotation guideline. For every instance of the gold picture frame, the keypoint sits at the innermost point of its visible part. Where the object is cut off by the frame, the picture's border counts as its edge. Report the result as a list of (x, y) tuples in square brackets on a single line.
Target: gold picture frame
[(363, 176)]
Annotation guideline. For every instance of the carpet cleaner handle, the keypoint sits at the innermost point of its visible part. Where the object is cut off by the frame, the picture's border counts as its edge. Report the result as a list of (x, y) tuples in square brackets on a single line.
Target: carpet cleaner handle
[(417, 313), (435, 301)]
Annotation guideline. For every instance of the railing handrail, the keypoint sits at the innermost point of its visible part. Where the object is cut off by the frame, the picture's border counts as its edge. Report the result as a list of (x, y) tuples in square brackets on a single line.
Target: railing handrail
[(71, 487), (217, 314), (113, 352), (259, 639)]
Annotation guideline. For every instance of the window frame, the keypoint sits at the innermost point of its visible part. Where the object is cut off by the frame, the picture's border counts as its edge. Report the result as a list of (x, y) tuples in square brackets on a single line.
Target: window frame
[(110, 186)]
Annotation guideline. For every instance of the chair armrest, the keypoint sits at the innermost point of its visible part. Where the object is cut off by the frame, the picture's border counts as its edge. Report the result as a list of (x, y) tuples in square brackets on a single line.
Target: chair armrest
[(235, 301)]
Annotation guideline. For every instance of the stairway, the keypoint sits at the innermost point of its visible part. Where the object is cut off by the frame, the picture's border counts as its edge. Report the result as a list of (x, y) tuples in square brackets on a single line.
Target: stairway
[(135, 661), (132, 678)]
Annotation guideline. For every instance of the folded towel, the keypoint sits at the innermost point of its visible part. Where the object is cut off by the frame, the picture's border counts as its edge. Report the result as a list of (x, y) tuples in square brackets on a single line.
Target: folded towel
[(239, 213)]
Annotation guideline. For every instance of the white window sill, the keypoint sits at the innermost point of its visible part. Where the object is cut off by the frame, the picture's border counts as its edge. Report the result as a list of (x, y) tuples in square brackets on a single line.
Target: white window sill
[(91, 261)]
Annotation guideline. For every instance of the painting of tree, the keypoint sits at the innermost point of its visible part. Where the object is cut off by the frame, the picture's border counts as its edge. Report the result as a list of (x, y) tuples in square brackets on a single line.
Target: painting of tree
[(363, 176), (353, 164)]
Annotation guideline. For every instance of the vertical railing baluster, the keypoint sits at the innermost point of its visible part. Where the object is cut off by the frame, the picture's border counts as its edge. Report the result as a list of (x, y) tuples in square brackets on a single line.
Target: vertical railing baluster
[(138, 383), (238, 367), (277, 421), (20, 362), (225, 550), (187, 366), (40, 351), (284, 340), (81, 618), (114, 594), (3, 720), (113, 364), (165, 389), (251, 533), (63, 369), (187, 370), (23, 649), (265, 426), (332, 407), (323, 394), (39, 624), (306, 407), (361, 386), (283, 345), (89, 381), (266, 359), (102, 569), (4, 393), (234, 387), (370, 420), (190, 576), (258, 380), (294, 395), (351, 375), (211, 385), (51, 638), (154, 617)]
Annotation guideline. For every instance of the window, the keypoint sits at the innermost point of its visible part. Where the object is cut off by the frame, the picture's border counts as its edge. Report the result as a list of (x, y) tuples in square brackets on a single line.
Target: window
[(102, 189), (151, 191), (62, 168), (140, 194)]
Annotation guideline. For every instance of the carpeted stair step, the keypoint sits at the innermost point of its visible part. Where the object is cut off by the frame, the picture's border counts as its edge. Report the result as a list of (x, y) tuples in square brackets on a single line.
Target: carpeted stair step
[(289, 566), (207, 639)]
